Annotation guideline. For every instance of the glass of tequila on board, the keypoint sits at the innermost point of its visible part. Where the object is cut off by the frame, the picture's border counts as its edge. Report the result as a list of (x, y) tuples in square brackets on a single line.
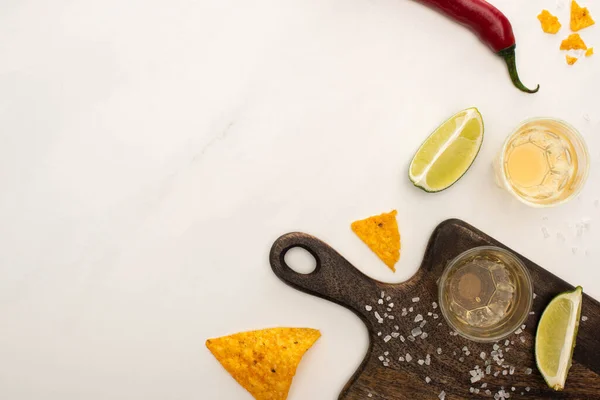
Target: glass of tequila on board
[(543, 163)]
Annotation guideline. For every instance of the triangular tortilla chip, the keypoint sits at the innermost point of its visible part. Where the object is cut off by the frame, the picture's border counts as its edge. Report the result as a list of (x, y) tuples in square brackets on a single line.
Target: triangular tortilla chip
[(573, 42), (580, 17), (265, 361), (571, 60), (381, 234), (549, 22)]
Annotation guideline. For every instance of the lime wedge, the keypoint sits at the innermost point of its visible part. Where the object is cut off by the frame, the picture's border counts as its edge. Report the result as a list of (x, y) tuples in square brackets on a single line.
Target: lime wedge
[(555, 337), (448, 152)]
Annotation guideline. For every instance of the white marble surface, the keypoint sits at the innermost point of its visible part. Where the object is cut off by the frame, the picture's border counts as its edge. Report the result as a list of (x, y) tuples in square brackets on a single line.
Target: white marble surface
[(151, 151)]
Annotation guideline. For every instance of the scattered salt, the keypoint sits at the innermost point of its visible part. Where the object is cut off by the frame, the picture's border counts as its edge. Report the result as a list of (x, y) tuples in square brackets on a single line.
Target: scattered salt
[(401, 358), (380, 301), (382, 294), (518, 331), (434, 305), (435, 316), (395, 334), (416, 331), (429, 314), (534, 295), (386, 364), (396, 327), (388, 298), (379, 319), (512, 370), (506, 342), (368, 308), (408, 357), (427, 379), (391, 317), (471, 389), (387, 338), (388, 309), (482, 355), (415, 299), (411, 338), (528, 371), (404, 312), (488, 392), (527, 389), (369, 395), (584, 318), (522, 339), (505, 372), (402, 338), (391, 305), (418, 318), (483, 385), (439, 350), (378, 333), (385, 315), (545, 232), (512, 388), (386, 353), (488, 370), (461, 359), (496, 373), (381, 358), (424, 335), (421, 362), (428, 360), (496, 347), (442, 395), (410, 309)]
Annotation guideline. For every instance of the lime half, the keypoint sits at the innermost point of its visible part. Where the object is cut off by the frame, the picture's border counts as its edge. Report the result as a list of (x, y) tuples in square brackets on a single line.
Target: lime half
[(448, 152), (555, 338)]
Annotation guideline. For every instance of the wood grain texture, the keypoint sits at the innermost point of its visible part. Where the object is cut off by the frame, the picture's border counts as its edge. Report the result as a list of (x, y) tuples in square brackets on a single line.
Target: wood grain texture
[(336, 280)]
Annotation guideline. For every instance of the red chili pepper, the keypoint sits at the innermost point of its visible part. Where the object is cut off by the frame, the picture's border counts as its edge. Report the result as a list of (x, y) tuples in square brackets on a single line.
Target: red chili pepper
[(489, 24)]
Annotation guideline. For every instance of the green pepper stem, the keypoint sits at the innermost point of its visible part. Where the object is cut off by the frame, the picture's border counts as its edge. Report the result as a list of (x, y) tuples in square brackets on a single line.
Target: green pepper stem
[(508, 55)]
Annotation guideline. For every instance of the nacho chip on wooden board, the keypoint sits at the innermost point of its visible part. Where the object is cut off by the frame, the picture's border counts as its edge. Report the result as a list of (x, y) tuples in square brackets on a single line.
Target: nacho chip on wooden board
[(380, 233), (549, 22), (580, 17), (573, 42), (264, 362)]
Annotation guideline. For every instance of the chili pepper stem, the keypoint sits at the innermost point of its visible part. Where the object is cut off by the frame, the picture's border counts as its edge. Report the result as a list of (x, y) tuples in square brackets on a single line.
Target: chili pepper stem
[(509, 57)]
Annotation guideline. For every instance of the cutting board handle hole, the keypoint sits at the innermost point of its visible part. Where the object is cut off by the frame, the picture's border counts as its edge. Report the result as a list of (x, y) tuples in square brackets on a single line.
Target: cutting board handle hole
[(300, 260)]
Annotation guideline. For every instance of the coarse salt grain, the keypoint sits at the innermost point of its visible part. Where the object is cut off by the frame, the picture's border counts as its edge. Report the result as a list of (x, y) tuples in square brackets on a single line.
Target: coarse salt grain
[(518, 331), (379, 319), (482, 355), (584, 318), (369, 395), (411, 338), (534, 295), (402, 338), (404, 312), (506, 342), (386, 353), (527, 389), (368, 308), (429, 314), (395, 334), (505, 372), (488, 370), (410, 309), (512, 388), (496, 347), (427, 379), (416, 331), (418, 318), (388, 298), (408, 357), (415, 299), (380, 301), (434, 305), (421, 362), (528, 371), (387, 338), (391, 305), (522, 339), (391, 317), (435, 316), (461, 359), (381, 358), (442, 395), (388, 309), (401, 358), (378, 333), (382, 294), (511, 370), (439, 350), (386, 364), (424, 335), (483, 385), (523, 326), (422, 324), (396, 327)]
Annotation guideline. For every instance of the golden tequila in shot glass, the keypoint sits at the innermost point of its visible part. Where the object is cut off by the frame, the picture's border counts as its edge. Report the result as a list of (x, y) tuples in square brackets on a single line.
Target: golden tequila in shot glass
[(544, 162), (485, 293)]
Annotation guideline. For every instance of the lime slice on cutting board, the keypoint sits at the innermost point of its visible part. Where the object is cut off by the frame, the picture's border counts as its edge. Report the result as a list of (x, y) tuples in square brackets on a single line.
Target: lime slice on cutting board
[(448, 152), (555, 337)]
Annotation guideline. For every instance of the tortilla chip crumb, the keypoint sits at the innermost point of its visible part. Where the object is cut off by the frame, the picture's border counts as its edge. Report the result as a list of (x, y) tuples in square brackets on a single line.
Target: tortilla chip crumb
[(580, 17), (264, 362), (549, 22), (589, 52), (571, 60), (573, 42), (381, 234)]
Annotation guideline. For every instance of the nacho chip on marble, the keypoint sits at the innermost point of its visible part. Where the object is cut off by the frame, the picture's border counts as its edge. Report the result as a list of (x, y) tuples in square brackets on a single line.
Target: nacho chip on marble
[(549, 22), (380, 233), (264, 362), (573, 42), (580, 17), (571, 60)]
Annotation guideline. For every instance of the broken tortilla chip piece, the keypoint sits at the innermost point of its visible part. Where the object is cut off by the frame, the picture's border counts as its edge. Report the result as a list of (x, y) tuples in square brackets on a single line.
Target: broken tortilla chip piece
[(580, 17), (549, 22), (589, 52), (573, 42), (571, 60), (265, 361), (380, 233)]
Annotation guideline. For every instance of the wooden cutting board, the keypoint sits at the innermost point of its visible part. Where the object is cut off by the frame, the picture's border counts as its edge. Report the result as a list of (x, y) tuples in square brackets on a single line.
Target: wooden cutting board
[(384, 375)]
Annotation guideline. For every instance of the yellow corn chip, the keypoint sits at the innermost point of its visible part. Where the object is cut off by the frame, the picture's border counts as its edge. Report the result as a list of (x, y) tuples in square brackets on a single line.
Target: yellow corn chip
[(573, 42), (381, 234), (580, 17), (265, 361), (589, 52), (549, 22), (571, 60)]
